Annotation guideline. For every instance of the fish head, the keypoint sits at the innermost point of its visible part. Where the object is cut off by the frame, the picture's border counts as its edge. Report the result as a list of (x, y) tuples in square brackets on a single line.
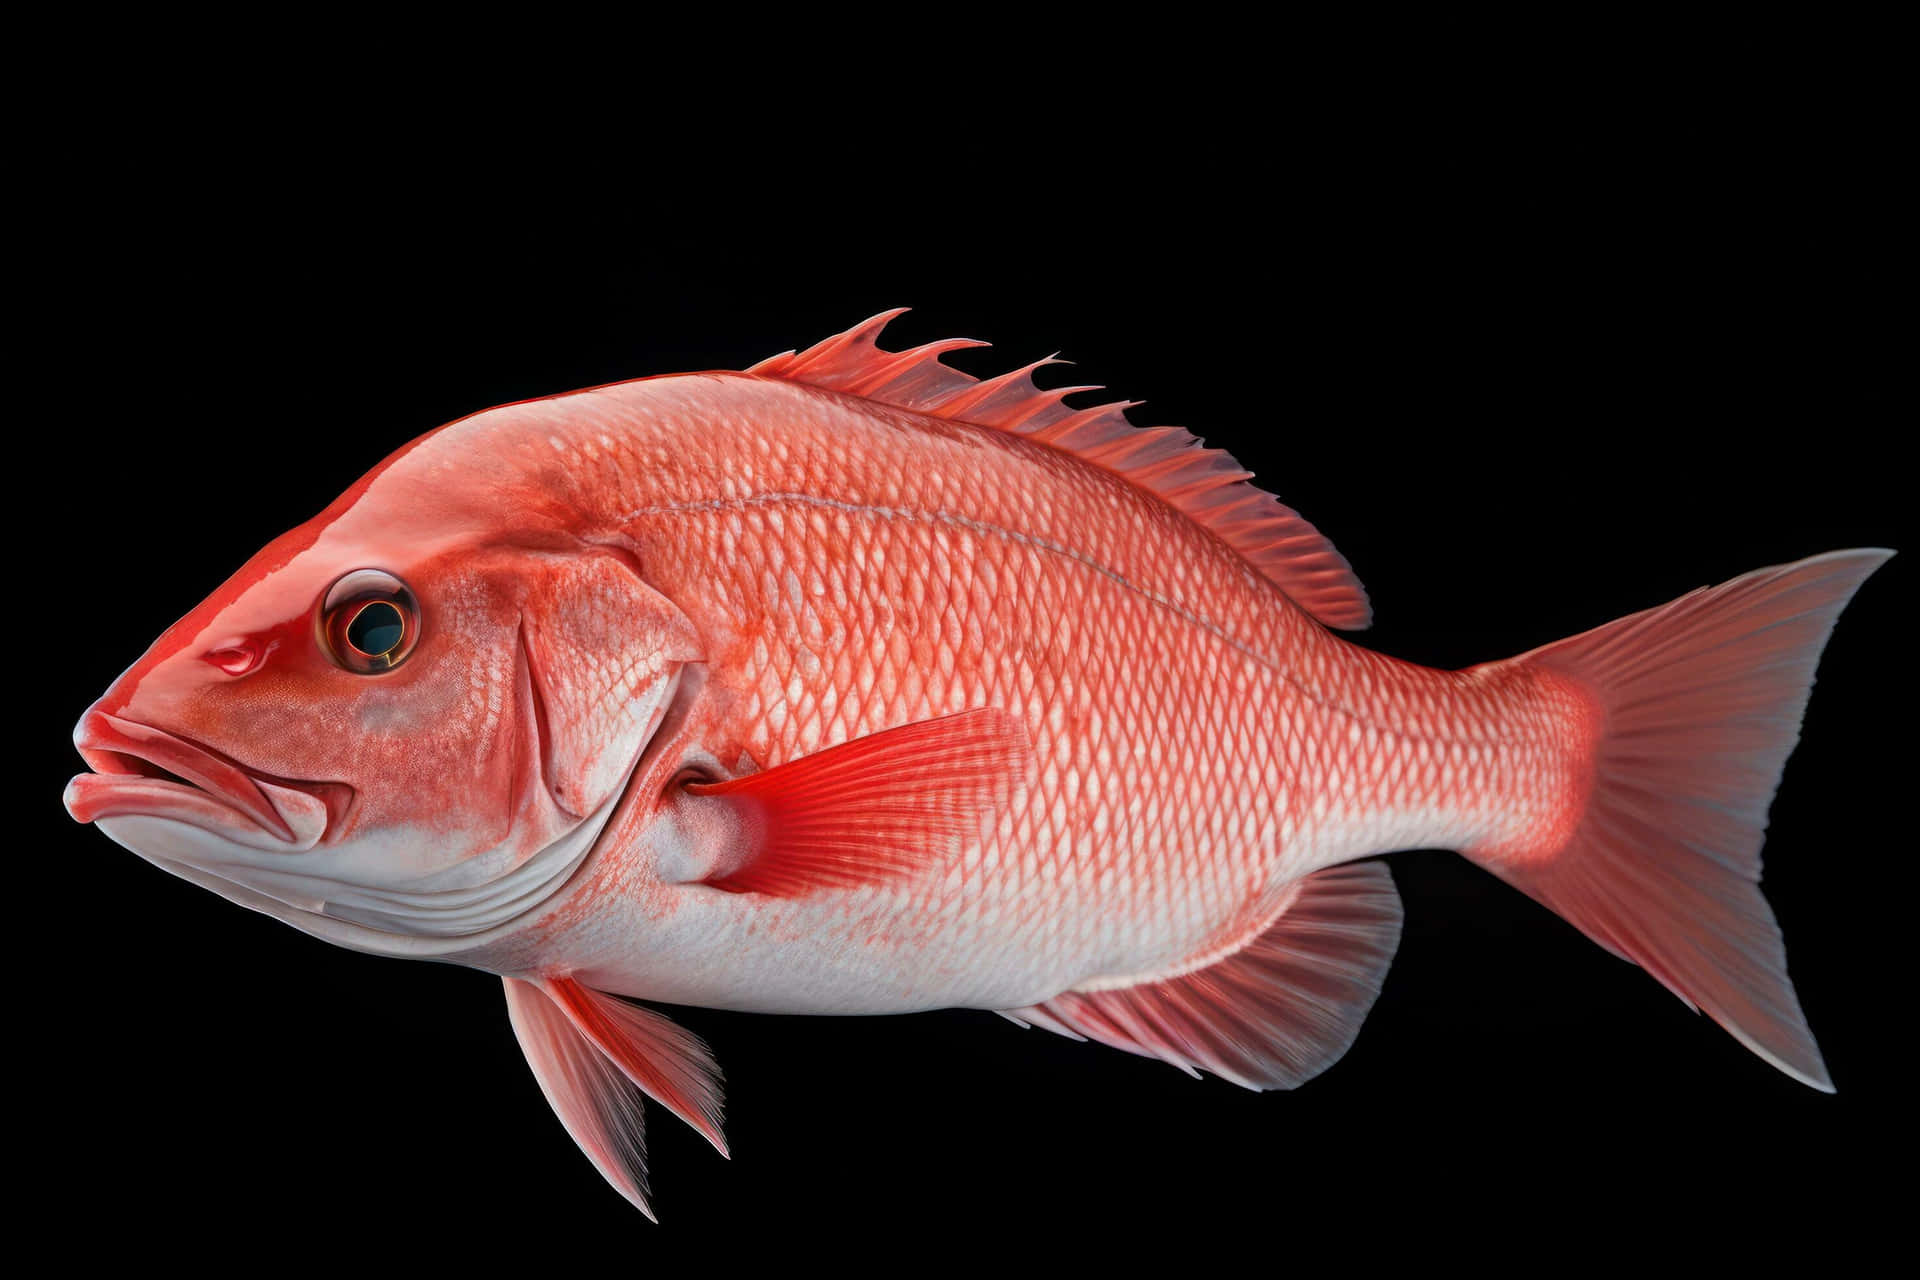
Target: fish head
[(399, 727)]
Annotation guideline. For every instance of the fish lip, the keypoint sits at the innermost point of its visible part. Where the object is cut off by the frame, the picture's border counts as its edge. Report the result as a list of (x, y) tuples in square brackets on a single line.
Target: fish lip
[(191, 779)]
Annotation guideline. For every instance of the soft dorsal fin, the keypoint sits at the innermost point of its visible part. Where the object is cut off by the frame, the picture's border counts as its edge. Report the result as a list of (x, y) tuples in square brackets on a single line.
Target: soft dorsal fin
[(1272, 1015), (1206, 485)]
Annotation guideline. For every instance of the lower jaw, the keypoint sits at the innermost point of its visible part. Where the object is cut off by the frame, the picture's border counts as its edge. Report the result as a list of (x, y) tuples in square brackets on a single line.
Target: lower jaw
[(443, 924)]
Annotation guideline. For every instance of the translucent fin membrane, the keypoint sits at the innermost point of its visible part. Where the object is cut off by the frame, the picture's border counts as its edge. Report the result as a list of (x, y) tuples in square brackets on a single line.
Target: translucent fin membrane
[(1205, 484), (595, 1055), (1274, 1014), (599, 1107), (877, 808), (1701, 702)]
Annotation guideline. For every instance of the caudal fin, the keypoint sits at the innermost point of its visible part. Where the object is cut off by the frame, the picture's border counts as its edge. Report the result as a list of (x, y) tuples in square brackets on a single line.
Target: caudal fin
[(1699, 705)]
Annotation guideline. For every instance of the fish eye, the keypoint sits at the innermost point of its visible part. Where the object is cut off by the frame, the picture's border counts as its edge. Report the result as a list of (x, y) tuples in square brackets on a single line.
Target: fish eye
[(369, 622)]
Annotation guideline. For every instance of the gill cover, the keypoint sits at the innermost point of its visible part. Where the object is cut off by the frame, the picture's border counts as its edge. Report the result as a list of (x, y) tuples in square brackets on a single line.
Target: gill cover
[(602, 652), (599, 655)]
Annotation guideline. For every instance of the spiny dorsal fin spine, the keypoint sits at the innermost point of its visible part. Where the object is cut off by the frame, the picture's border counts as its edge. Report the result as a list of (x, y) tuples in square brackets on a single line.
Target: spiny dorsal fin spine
[(1204, 484)]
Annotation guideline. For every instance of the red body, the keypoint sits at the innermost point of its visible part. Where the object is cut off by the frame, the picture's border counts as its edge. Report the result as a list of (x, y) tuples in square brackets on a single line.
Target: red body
[(852, 685)]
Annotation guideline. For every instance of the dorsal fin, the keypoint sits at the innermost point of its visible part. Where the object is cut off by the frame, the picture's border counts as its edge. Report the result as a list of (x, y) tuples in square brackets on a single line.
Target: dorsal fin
[(1206, 485)]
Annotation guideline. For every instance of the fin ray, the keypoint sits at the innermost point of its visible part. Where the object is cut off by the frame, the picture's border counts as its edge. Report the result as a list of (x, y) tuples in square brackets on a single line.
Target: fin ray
[(663, 1060), (1697, 704), (1204, 484), (599, 1107), (595, 1057), (1272, 1015), (876, 808)]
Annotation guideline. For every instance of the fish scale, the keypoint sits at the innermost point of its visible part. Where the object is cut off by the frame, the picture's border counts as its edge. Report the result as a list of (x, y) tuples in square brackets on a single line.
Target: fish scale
[(1172, 694), (853, 684)]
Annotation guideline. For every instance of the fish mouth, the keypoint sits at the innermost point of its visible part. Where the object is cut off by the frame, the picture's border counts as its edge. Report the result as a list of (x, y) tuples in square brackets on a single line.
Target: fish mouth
[(141, 770)]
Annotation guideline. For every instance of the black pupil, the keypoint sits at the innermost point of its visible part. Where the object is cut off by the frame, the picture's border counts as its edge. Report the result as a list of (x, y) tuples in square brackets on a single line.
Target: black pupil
[(376, 629)]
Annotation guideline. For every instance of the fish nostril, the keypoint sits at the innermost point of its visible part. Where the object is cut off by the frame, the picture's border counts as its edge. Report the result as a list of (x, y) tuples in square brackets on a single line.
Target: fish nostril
[(235, 659)]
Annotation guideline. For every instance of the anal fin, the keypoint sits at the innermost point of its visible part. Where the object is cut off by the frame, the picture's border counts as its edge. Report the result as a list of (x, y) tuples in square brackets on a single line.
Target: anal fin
[(1272, 1015)]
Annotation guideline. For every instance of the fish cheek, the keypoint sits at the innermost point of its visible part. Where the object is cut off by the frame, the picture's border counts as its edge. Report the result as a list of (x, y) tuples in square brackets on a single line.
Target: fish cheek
[(603, 652), (427, 747), (433, 743), (274, 722)]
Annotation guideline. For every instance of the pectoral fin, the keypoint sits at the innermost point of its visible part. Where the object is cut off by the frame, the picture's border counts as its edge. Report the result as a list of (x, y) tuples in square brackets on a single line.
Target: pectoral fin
[(595, 1055), (876, 808)]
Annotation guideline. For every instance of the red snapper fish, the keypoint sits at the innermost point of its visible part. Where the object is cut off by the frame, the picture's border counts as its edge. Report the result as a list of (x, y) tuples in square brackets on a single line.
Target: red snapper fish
[(851, 684)]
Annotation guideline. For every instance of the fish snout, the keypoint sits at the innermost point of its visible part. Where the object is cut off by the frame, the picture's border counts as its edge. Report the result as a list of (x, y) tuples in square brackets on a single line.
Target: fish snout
[(139, 768)]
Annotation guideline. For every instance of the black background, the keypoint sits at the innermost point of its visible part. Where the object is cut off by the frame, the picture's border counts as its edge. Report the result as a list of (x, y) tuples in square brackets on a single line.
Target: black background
[(1529, 369)]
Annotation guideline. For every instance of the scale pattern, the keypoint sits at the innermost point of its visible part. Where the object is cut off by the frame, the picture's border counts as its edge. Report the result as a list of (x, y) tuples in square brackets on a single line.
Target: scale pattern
[(1200, 741)]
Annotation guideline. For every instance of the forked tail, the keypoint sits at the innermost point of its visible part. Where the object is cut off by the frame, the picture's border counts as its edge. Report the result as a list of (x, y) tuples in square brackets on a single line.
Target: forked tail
[(1698, 704)]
